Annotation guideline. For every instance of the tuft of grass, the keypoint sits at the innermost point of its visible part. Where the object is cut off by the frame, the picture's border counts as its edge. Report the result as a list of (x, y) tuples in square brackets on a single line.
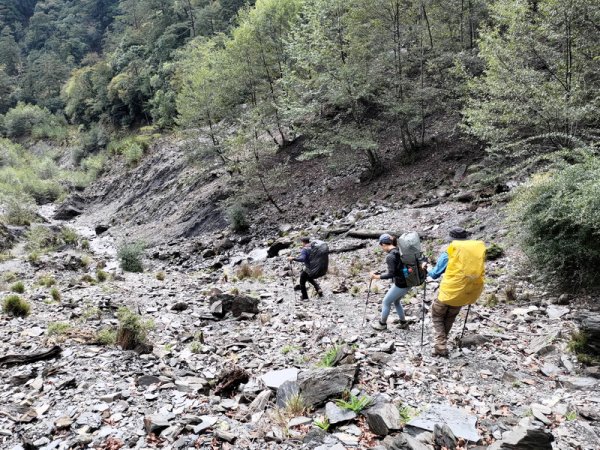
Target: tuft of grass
[(87, 278), (248, 271), (9, 277), (295, 406), (329, 357), (106, 337), (160, 276), (101, 275), (510, 291), (356, 404), (491, 300), (46, 281), (16, 306), (33, 257), (85, 245), (18, 287), (355, 290), (132, 330), (69, 236), (130, 256), (55, 294), (288, 348), (578, 342), (57, 328), (322, 422), (234, 291), (407, 413), (571, 415), (196, 347)]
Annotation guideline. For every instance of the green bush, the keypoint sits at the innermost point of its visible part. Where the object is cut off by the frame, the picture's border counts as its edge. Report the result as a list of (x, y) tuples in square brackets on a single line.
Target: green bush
[(19, 212), (15, 306), (18, 287), (557, 219), (237, 217), (132, 329), (23, 119), (130, 256), (55, 294)]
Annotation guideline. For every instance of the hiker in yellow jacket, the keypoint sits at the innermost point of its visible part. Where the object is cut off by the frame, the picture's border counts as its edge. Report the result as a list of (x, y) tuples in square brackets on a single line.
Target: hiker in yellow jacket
[(463, 265)]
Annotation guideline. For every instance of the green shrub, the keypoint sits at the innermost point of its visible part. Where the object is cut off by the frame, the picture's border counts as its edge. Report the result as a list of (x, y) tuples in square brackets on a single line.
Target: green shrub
[(19, 212), (69, 236), (95, 165), (557, 219), (57, 328), (130, 256), (18, 287), (494, 252), (106, 337), (15, 306), (329, 357), (21, 121), (237, 217), (46, 280), (132, 329), (101, 275), (55, 294), (354, 403), (40, 239)]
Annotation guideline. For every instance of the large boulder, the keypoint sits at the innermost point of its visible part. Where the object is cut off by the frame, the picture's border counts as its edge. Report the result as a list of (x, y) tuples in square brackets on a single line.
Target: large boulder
[(277, 246), (70, 208), (521, 438), (221, 304), (318, 385)]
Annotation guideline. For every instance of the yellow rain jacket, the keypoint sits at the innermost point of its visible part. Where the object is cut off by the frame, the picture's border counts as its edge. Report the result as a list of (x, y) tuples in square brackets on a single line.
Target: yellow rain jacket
[(463, 280)]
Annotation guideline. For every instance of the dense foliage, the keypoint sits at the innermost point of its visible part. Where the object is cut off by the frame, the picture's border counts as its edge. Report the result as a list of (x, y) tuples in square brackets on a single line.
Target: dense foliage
[(557, 215)]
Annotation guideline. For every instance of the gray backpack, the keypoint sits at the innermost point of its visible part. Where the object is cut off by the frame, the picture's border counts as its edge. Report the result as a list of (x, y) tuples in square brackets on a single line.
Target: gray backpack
[(409, 245), (319, 259)]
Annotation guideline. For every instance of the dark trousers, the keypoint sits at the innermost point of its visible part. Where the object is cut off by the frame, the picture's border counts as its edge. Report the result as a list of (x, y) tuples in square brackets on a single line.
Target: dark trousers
[(304, 277)]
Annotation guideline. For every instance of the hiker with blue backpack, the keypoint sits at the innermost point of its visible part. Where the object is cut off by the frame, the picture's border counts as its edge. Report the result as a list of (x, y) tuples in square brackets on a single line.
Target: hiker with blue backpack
[(401, 275), (462, 265), (315, 256)]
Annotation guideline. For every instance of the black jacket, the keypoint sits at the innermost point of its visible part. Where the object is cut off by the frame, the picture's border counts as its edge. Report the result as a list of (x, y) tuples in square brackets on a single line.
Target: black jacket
[(395, 269)]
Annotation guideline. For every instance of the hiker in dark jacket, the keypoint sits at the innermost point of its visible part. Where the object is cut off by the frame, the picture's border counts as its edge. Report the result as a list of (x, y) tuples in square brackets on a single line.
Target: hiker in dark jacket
[(398, 288), (304, 276)]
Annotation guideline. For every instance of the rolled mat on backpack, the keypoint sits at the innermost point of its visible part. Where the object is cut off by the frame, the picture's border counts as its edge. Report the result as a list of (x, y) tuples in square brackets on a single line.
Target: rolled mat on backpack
[(463, 280)]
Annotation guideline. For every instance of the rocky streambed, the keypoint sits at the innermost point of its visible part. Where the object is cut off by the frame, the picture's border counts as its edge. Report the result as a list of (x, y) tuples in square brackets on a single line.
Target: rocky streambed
[(237, 360)]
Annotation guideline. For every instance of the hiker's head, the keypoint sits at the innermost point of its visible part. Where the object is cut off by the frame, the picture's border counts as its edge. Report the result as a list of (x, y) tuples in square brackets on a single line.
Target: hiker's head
[(458, 233), (387, 242), (304, 241)]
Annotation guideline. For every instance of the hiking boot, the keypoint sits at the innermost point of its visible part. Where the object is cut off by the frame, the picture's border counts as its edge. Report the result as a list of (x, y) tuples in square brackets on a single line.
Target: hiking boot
[(320, 293), (297, 287), (378, 326), (439, 352), (403, 324), (304, 298)]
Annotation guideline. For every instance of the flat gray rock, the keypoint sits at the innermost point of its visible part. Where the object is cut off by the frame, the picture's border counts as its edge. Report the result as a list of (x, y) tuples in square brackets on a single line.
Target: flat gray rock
[(275, 378), (463, 425), (335, 414), (579, 383)]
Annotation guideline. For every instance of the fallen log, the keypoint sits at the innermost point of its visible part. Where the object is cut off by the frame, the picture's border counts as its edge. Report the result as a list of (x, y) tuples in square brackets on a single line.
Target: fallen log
[(348, 248), (370, 234), (26, 359)]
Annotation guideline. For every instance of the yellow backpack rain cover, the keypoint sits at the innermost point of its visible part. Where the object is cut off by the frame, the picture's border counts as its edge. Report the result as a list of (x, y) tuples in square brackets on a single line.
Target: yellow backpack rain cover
[(463, 280)]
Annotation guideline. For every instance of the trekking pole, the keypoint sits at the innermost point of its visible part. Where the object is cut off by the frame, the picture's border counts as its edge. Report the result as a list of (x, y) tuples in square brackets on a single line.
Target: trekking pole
[(367, 302), (293, 279), (423, 313), (464, 325)]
